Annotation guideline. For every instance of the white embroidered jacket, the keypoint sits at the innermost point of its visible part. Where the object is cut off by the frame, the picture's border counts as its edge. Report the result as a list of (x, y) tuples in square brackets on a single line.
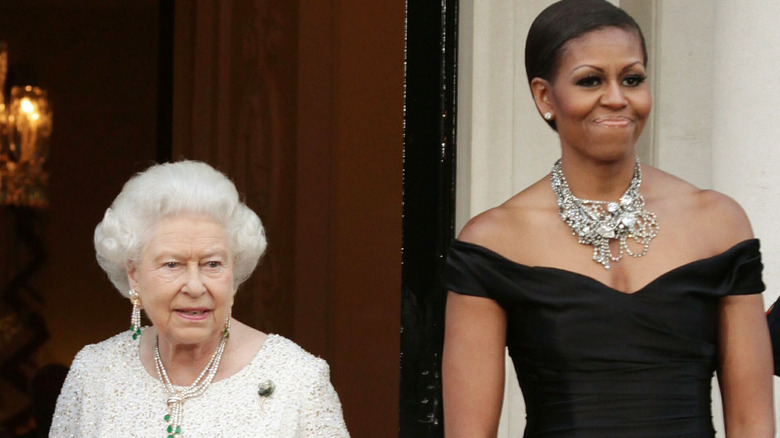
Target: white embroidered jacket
[(108, 393)]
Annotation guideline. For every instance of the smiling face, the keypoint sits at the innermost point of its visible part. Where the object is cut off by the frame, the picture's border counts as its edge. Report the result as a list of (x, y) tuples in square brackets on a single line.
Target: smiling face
[(598, 95), (185, 279)]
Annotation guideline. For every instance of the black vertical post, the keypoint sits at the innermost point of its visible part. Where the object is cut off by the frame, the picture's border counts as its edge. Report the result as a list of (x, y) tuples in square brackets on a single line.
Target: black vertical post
[(428, 210)]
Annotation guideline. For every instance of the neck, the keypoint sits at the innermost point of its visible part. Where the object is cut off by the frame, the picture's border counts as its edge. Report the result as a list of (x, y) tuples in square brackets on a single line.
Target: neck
[(598, 180), (184, 362)]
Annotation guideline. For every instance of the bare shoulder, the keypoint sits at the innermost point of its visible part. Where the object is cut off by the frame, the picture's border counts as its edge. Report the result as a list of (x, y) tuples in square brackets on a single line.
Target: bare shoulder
[(486, 226), (705, 212), (512, 220), (725, 216), (247, 340)]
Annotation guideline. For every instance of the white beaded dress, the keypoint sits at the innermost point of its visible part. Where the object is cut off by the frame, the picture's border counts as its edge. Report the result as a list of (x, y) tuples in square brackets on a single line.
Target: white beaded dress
[(108, 393)]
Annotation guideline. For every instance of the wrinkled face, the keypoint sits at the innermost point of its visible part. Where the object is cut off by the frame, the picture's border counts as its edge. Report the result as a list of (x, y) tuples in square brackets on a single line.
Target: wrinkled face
[(185, 279), (598, 96)]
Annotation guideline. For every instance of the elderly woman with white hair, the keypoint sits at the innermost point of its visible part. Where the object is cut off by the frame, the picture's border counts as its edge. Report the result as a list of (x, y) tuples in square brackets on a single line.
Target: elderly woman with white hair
[(178, 242)]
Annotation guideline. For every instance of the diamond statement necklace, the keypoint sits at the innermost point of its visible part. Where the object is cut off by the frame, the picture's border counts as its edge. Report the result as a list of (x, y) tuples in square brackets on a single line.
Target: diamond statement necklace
[(597, 222)]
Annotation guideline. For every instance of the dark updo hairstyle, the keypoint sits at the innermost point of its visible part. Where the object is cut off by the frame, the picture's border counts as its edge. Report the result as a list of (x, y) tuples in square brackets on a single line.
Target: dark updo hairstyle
[(563, 21)]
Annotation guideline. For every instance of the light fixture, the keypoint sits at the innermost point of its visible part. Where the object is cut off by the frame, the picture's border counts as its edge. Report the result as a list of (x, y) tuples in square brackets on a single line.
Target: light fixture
[(25, 128)]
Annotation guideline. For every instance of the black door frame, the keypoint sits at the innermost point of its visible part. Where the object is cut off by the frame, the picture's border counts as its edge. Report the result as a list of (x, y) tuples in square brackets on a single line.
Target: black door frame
[(428, 208)]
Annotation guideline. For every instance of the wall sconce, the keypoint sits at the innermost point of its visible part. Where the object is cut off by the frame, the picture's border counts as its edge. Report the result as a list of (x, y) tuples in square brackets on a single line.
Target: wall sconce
[(25, 128)]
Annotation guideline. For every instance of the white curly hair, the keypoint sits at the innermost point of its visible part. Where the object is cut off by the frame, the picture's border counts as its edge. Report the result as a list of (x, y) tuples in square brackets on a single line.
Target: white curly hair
[(163, 190)]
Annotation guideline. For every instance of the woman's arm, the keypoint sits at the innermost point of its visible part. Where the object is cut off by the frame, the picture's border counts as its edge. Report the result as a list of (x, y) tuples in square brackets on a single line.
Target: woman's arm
[(322, 415), (745, 373), (745, 352), (473, 366), (68, 415)]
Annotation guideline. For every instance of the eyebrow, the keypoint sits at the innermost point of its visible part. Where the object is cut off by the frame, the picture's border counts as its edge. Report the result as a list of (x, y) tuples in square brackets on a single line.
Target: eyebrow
[(628, 67), (217, 253), (216, 250)]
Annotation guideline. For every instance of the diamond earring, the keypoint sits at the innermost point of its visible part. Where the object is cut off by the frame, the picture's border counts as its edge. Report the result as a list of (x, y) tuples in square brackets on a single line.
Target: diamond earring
[(135, 316)]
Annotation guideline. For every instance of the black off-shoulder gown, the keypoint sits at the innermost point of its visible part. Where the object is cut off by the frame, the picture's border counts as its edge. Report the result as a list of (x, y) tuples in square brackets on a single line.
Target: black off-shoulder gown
[(596, 362)]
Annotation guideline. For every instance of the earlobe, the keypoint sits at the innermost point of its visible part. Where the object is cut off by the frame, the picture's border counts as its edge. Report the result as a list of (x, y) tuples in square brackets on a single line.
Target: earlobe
[(540, 89)]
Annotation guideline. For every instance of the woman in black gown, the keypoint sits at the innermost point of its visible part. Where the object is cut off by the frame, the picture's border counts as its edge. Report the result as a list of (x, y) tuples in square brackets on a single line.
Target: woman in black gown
[(618, 288)]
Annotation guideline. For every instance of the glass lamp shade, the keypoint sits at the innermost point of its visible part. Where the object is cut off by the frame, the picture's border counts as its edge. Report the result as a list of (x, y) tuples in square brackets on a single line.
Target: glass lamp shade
[(28, 122)]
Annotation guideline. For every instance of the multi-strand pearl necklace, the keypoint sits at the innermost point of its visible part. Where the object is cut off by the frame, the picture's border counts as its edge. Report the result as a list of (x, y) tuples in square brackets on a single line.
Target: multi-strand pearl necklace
[(597, 222), (176, 398)]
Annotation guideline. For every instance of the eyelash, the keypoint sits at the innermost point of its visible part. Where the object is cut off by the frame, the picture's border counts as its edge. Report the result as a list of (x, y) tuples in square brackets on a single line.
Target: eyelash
[(590, 81), (174, 265), (638, 79)]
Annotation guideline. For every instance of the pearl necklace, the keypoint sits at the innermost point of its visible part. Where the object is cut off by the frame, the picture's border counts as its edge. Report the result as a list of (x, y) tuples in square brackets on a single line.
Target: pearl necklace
[(176, 398), (597, 222)]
